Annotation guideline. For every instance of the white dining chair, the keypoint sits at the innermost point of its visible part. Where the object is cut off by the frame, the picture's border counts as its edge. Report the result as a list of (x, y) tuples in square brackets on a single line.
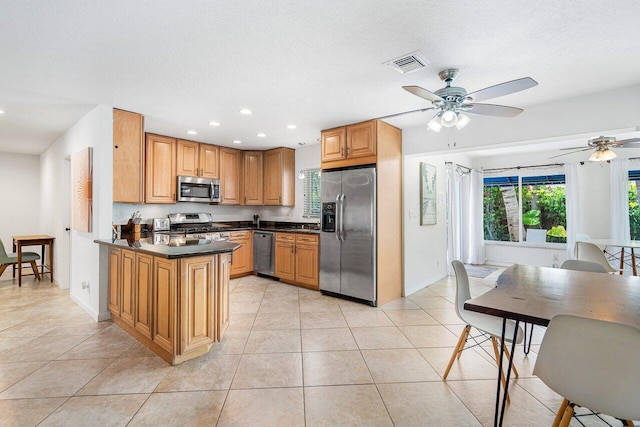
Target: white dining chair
[(587, 251), (579, 265), (490, 327), (593, 364)]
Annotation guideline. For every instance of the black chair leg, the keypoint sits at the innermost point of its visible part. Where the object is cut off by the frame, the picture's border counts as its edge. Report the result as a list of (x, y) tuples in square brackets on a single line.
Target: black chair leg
[(527, 342)]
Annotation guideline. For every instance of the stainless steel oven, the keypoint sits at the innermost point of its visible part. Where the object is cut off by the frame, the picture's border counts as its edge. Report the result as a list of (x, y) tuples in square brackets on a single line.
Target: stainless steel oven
[(192, 189)]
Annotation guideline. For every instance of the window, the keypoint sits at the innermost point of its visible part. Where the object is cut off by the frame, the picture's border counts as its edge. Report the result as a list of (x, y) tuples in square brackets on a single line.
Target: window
[(311, 188), (634, 208), (525, 208)]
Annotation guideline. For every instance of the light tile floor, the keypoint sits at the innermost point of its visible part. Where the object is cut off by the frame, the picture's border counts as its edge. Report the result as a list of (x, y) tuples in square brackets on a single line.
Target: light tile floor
[(291, 357)]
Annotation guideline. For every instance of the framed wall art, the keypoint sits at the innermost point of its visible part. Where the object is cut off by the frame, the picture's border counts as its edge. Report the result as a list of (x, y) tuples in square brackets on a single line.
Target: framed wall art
[(81, 190), (428, 192)]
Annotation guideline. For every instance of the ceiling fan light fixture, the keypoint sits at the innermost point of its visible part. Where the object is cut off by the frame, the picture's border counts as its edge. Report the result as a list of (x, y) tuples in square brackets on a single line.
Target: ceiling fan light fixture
[(463, 120), (602, 155), (435, 124), (449, 118)]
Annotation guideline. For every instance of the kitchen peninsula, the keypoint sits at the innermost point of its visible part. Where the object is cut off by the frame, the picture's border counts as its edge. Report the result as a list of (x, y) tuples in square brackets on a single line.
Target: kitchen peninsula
[(172, 296)]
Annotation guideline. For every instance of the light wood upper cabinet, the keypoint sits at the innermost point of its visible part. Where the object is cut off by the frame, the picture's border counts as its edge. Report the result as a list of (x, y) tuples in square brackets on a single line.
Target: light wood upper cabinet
[(128, 157), (253, 177), (333, 144), (187, 160), (197, 298), (209, 161), (242, 259), (230, 175), (197, 159), (164, 309), (160, 169), (279, 177), (350, 145)]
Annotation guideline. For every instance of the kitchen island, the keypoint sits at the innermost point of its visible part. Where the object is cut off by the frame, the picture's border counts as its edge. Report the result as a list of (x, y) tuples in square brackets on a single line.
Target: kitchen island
[(171, 295)]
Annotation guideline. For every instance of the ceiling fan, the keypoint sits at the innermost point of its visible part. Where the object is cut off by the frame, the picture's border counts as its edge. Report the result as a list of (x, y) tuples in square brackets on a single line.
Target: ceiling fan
[(453, 102), (602, 145)]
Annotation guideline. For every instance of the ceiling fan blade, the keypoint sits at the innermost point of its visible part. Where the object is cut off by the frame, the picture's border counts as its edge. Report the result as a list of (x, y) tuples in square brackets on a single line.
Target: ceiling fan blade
[(422, 93), (493, 110), (628, 143), (566, 154), (420, 110), (576, 148), (503, 89)]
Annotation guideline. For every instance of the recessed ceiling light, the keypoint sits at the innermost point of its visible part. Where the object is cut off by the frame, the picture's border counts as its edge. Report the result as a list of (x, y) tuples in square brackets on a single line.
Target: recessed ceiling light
[(237, 141), (245, 111), (214, 123), (192, 132), (291, 126), (262, 135), (1, 111), (302, 144)]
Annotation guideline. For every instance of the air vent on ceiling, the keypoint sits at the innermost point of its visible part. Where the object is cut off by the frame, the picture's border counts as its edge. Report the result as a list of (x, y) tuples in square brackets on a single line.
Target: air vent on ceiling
[(409, 63)]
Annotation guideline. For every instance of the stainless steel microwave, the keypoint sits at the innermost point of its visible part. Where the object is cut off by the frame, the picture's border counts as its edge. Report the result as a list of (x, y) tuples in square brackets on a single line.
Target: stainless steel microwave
[(192, 189)]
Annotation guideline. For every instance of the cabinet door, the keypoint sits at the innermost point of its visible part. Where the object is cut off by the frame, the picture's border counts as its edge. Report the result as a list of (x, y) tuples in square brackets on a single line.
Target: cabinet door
[(279, 177), (285, 259), (160, 169), (114, 281), (143, 294), (222, 295), (230, 176), (128, 157), (361, 140), (253, 177), (209, 161), (242, 258), (187, 158), (197, 302), (127, 282), (333, 144), (164, 303), (307, 264)]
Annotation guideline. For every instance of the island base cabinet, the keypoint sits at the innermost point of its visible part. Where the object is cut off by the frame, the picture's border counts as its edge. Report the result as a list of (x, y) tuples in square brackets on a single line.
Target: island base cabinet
[(164, 303), (197, 302), (176, 307), (222, 293)]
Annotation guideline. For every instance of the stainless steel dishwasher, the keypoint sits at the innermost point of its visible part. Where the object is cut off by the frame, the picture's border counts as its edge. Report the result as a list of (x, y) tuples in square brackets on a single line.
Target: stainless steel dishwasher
[(263, 252)]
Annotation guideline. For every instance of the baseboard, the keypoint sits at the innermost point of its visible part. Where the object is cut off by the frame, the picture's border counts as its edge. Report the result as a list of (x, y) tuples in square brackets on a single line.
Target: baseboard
[(91, 312), (429, 281)]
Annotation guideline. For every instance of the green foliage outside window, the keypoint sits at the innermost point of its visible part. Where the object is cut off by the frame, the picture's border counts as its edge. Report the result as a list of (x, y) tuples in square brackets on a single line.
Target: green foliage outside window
[(634, 211)]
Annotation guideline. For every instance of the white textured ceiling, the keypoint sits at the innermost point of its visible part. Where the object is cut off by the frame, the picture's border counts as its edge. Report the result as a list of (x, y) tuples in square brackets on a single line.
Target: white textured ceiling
[(316, 64)]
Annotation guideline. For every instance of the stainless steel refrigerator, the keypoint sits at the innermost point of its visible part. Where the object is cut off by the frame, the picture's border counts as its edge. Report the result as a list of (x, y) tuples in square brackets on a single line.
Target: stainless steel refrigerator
[(348, 234)]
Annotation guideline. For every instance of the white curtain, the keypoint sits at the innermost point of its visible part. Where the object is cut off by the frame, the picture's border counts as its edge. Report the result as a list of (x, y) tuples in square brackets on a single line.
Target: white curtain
[(620, 199), (574, 216), (465, 237), (474, 222)]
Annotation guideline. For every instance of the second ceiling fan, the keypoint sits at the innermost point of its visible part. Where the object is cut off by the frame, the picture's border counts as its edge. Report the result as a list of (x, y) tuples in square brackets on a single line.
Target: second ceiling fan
[(453, 102)]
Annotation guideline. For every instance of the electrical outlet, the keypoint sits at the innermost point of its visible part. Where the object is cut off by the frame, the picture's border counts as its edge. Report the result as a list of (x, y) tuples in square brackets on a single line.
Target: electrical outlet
[(437, 263), (85, 285), (412, 214)]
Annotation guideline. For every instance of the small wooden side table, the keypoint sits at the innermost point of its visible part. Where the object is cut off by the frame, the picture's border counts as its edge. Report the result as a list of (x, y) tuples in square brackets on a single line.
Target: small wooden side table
[(41, 240)]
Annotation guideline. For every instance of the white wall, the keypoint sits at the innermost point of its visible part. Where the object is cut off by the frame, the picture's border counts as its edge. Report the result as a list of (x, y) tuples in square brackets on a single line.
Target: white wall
[(20, 199), (307, 157), (94, 130)]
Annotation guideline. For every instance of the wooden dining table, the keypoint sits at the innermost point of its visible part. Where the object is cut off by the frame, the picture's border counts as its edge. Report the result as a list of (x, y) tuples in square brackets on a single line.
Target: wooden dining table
[(535, 295), (623, 244), (41, 240)]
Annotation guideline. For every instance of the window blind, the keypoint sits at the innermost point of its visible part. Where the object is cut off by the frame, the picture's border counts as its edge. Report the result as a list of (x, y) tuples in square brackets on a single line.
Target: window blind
[(311, 190)]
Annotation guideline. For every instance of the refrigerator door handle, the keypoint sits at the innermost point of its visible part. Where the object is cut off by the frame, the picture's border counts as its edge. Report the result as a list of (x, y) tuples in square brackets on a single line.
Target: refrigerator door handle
[(337, 225), (342, 196)]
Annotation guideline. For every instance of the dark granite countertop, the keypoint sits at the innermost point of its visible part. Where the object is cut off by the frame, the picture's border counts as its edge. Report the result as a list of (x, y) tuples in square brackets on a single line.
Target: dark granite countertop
[(274, 226), (165, 250)]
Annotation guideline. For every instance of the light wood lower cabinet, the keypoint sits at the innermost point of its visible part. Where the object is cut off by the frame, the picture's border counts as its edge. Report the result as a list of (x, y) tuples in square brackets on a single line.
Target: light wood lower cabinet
[(164, 305), (197, 295), (243, 257), (222, 295), (177, 308), (297, 259)]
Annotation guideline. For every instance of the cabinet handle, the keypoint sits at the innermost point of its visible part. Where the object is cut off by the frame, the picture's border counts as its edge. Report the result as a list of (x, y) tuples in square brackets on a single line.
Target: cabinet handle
[(279, 199), (347, 151), (245, 199)]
